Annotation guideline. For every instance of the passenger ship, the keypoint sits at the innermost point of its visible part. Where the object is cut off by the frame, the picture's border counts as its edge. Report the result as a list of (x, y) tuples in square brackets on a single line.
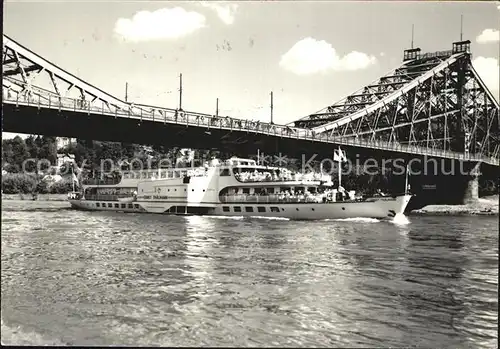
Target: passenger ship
[(234, 187)]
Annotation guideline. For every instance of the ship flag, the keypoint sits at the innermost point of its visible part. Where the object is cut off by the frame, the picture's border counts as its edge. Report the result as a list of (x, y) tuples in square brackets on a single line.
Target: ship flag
[(75, 178), (339, 155)]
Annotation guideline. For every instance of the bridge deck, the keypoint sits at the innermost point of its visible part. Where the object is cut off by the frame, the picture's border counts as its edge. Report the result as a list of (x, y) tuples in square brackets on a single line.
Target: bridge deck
[(172, 116)]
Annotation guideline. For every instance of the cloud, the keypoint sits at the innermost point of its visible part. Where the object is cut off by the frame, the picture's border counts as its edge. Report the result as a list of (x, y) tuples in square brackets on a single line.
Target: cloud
[(310, 56), (488, 35), (488, 69), (225, 12), (164, 23)]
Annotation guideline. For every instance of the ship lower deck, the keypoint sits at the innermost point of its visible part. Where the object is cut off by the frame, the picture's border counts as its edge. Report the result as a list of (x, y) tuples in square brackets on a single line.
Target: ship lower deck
[(381, 208)]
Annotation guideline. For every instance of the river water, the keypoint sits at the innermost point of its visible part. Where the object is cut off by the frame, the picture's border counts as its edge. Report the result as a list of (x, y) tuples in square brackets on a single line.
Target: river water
[(95, 278)]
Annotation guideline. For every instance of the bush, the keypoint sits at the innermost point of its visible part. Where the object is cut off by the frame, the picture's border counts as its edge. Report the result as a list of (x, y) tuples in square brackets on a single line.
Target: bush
[(18, 183), (62, 187), (42, 188), (12, 168)]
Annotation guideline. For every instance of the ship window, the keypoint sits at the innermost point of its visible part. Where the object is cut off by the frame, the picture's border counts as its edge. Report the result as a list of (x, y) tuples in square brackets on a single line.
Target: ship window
[(246, 190), (130, 206), (274, 209), (117, 206), (124, 206), (261, 209), (192, 189), (136, 206), (248, 209), (110, 205), (97, 205), (225, 208), (103, 204), (237, 209), (225, 172)]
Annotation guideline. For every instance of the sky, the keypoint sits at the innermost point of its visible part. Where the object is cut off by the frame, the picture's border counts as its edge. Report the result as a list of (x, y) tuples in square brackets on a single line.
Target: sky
[(310, 54)]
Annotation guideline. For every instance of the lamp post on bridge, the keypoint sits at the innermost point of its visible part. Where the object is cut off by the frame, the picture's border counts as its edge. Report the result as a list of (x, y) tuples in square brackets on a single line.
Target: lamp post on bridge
[(272, 108), (217, 107), (180, 92)]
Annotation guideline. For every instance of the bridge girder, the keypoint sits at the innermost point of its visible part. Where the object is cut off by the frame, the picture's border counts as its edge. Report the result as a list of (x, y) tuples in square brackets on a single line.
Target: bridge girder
[(436, 101)]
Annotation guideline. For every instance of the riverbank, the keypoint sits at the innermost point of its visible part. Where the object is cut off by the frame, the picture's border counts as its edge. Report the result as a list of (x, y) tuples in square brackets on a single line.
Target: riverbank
[(41, 197), (486, 206)]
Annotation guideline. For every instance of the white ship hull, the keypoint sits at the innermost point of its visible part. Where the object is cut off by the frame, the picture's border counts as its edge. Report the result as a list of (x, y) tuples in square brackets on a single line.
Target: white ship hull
[(380, 208), (239, 187)]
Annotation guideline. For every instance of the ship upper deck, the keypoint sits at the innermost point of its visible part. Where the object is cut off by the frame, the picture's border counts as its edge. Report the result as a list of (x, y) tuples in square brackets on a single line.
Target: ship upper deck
[(243, 170)]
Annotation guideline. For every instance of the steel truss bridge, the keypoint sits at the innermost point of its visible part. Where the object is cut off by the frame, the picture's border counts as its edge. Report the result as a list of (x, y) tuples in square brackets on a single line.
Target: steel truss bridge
[(434, 104)]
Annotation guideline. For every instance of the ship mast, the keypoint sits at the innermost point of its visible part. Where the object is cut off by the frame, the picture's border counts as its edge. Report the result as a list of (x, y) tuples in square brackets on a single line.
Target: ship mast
[(339, 159)]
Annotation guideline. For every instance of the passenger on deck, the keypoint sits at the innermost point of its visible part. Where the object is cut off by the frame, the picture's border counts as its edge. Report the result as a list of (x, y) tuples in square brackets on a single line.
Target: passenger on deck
[(342, 192)]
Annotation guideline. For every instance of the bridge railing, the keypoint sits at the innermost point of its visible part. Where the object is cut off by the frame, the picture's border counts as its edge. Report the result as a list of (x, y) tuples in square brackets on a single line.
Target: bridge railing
[(180, 117)]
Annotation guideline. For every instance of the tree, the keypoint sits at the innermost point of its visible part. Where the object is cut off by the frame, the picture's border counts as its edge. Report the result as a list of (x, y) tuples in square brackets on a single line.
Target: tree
[(128, 150), (7, 153), (32, 146), (19, 152), (48, 149)]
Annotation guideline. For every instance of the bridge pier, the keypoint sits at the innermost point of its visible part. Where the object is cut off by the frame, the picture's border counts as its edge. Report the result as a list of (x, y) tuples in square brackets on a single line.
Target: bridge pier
[(471, 190), (440, 186)]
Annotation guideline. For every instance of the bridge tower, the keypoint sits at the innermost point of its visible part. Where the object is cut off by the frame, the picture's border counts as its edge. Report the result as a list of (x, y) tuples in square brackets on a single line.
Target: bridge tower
[(434, 100)]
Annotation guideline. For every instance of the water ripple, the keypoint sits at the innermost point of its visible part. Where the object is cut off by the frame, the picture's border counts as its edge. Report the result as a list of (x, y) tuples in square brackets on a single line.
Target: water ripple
[(94, 278)]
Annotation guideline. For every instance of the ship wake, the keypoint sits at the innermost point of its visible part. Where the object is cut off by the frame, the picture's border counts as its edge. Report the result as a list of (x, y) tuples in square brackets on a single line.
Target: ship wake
[(354, 219)]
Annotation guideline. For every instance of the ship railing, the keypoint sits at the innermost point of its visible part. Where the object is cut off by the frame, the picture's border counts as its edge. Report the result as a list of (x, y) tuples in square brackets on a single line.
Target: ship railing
[(280, 179), (107, 197), (267, 199), (40, 98), (94, 181)]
